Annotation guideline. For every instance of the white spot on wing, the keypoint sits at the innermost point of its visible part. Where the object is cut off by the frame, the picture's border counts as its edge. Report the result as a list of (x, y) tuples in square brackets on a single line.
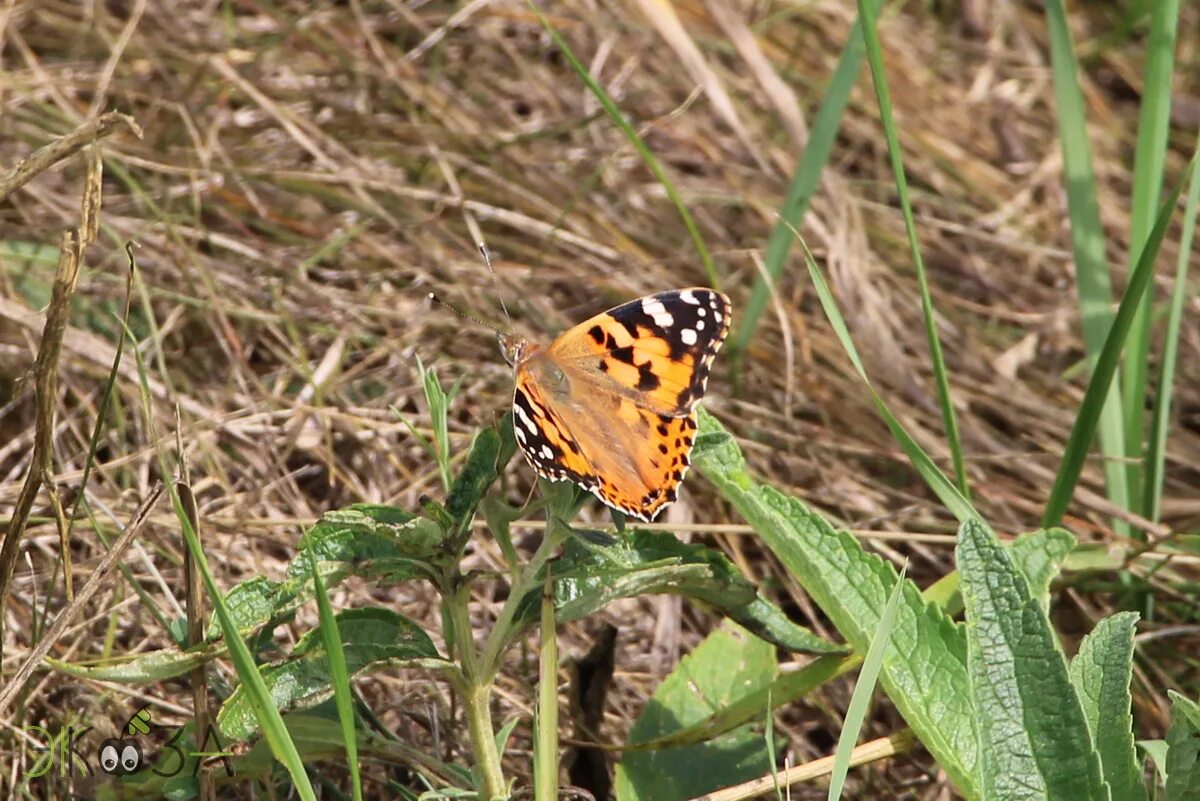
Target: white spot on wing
[(688, 336), (687, 296), (524, 418), (656, 310)]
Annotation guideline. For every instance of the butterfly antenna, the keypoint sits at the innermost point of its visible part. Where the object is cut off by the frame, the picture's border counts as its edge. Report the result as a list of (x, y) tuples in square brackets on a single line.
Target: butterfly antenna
[(487, 259), (433, 296)]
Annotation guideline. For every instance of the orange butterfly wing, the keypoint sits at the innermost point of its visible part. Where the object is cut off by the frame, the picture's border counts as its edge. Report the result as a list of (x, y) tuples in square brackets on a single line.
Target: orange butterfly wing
[(609, 405)]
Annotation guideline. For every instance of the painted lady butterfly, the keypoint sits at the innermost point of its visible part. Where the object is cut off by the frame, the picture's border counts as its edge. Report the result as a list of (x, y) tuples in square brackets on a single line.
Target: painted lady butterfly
[(610, 404)]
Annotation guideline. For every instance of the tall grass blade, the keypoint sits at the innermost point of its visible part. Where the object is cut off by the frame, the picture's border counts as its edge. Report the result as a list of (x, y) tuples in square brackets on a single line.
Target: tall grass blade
[(942, 382), (273, 727), (338, 673), (1087, 239), (804, 181), (958, 504), (616, 115), (545, 747), (1156, 446), (1149, 159), (864, 688), (1098, 388)]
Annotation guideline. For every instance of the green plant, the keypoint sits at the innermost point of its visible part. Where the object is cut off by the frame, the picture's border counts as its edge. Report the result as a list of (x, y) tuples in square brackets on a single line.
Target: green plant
[(579, 571)]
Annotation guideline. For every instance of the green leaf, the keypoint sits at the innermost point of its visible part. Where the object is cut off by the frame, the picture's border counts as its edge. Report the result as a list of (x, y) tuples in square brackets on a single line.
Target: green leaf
[(142, 668), (1040, 556), (588, 577), (1183, 750), (369, 636), (749, 707), (728, 664), (439, 405), (252, 604), (1033, 735), (1100, 673), (471, 483), (378, 542), (1157, 751), (821, 138), (925, 664)]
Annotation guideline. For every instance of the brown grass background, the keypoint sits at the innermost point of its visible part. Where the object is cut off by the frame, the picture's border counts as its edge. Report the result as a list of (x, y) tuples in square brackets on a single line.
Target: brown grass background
[(311, 169)]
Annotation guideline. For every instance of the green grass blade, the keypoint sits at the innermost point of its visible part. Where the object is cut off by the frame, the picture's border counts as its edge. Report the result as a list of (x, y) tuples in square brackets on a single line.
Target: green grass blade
[(273, 727), (1101, 383), (337, 671), (1087, 239), (875, 59), (615, 114), (864, 688), (1156, 447), (105, 399), (545, 748), (439, 404), (943, 487), (804, 182), (1148, 164)]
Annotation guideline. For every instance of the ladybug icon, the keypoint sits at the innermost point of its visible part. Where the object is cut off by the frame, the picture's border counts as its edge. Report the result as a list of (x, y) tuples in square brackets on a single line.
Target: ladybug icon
[(120, 757)]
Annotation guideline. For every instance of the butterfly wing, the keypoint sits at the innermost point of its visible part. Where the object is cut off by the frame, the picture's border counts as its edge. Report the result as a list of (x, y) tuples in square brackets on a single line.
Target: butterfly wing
[(610, 403), (656, 351), (628, 456)]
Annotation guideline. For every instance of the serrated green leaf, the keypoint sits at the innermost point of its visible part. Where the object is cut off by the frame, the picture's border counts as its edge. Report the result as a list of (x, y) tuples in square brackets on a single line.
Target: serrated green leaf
[(1033, 734), (251, 604), (729, 664), (369, 635), (1101, 672), (1183, 750), (378, 542), (588, 577), (925, 664), (1040, 555)]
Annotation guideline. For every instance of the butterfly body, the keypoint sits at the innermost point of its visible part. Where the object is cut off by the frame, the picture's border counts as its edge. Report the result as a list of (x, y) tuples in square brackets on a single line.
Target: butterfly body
[(610, 404)]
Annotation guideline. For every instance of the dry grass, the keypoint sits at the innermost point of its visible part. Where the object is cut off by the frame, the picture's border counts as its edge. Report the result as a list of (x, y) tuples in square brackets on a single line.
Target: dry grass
[(310, 170)]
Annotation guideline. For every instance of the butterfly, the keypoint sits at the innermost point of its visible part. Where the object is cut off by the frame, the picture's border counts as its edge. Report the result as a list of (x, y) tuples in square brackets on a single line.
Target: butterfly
[(610, 405)]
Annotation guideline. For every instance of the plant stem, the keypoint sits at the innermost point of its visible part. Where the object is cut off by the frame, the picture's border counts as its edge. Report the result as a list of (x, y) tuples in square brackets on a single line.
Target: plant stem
[(483, 738), (502, 631), (475, 687)]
